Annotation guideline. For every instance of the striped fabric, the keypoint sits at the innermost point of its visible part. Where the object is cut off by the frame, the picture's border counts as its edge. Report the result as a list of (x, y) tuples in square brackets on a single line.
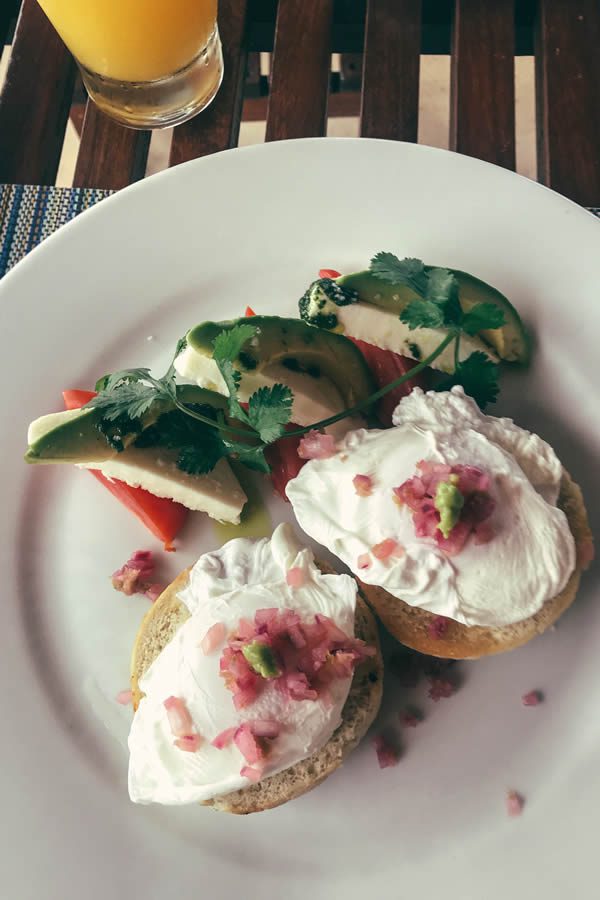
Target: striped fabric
[(29, 213)]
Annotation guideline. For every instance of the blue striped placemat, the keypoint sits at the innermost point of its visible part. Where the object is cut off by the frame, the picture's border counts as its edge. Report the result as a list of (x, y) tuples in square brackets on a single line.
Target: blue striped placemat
[(29, 213)]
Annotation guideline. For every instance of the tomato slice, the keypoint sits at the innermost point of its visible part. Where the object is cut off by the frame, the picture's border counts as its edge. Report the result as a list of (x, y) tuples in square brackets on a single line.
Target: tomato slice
[(329, 273), (77, 399), (386, 366), (249, 312), (282, 456), (163, 517)]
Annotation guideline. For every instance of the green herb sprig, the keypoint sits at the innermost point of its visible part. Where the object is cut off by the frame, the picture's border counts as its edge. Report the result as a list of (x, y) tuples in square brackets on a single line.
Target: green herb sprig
[(139, 408)]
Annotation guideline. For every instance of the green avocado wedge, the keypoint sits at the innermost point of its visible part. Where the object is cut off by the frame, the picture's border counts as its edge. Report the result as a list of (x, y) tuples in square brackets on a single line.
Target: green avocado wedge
[(68, 437), (293, 345), (511, 342), (76, 436)]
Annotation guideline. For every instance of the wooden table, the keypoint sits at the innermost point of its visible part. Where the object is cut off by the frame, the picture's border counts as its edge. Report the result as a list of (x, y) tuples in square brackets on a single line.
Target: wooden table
[(381, 42)]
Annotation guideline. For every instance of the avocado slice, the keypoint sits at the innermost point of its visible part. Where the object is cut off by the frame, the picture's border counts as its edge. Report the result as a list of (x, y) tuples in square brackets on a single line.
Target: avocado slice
[(285, 349), (74, 435), (68, 437), (511, 342), (329, 306)]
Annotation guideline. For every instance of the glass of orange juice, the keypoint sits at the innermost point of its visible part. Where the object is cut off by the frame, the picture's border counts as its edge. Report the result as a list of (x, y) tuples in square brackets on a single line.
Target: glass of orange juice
[(146, 63)]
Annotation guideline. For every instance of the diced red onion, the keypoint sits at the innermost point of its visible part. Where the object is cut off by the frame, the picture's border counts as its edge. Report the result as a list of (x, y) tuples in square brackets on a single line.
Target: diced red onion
[(532, 698), (295, 577), (264, 728), (438, 627), (124, 697), (514, 803), (440, 688), (248, 745), (410, 719), (213, 638), (131, 577), (309, 656), (363, 561), (180, 720), (316, 446), (153, 592), (385, 549), (224, 738), (188, 742), (252, 773), (387, 755), (363, 485)]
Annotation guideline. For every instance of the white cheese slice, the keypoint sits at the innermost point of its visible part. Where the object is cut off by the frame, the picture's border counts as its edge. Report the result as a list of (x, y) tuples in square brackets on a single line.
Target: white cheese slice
[(384, 329), (218, 493)]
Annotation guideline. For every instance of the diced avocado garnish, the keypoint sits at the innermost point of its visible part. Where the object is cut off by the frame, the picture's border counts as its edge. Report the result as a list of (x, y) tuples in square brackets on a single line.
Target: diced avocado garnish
[(298, 347), (449, 503), (511, 342), (261, 659), (80, 436)]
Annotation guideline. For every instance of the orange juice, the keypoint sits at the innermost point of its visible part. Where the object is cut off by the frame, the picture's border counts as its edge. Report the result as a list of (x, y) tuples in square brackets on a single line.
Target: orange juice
[(133, 40)]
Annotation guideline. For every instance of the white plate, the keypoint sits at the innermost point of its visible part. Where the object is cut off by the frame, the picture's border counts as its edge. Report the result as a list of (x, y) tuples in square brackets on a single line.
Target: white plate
[(202, 241)]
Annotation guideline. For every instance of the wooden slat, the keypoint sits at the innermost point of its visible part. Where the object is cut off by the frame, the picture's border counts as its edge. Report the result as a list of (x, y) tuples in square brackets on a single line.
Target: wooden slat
[(346, 103), (349, 17), (482, 87), (35, 100), (110, 156), (300, 70), (217, 127), (390, 103), (568, 98), (482, 116)]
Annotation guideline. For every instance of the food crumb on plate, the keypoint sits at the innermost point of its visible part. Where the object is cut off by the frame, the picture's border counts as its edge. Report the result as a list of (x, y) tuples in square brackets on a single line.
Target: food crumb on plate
[(514, 803), (410, 718), (532, 698), (440, 688), (387, 754)]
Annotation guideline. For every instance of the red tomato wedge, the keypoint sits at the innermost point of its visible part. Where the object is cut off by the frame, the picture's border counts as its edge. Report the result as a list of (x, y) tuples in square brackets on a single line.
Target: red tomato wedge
[(283, 458), (386, 366), (77, 399), (249, 312), (163, 517), (329, 273)]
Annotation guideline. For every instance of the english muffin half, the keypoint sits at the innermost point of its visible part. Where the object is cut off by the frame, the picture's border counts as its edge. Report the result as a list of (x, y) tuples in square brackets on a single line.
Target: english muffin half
[(158, 628)]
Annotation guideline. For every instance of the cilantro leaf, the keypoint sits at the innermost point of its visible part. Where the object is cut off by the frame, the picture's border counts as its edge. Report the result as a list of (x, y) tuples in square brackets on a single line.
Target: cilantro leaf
[(199, 459), (422, 314), (269, 410), (411, 272), (441, 284), (478, 375), (131, 399), (228, 344), (199, 446), (251, 456), (232, 379), (227, 347), (482, 316), (438, 287)]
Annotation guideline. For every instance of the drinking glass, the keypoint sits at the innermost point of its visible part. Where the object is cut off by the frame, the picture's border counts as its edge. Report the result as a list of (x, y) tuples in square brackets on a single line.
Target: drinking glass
[(145, 63)]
